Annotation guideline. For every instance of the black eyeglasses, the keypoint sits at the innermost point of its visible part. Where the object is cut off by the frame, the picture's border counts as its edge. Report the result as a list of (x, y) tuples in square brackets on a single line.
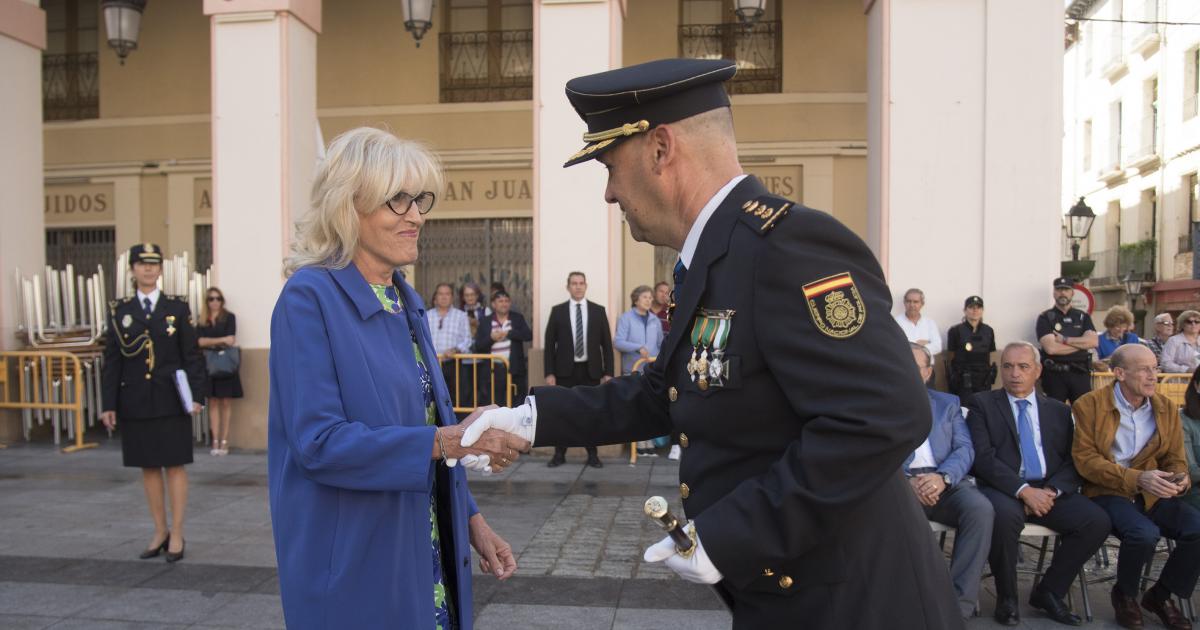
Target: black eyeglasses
[(215, 298), (403, 201)]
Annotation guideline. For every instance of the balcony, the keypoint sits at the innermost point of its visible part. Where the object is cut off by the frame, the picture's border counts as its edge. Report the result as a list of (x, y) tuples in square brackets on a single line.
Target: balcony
[(70, 89), (1147, 157), (1146, 38), (486, 66), (757, 49), (1113, 265)]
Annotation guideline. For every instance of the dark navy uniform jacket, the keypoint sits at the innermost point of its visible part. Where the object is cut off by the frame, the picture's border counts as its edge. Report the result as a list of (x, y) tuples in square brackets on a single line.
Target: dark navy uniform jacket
[(791, 469), (981, 342), (1073, 323), (128, 386)]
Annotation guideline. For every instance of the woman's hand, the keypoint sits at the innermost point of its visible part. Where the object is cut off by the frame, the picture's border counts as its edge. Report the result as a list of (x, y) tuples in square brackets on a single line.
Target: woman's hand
[(495, 555), (109, 418), (501, 447)]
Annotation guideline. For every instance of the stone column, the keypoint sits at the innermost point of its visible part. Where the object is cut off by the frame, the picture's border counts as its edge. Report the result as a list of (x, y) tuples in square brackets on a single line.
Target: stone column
[(965, 133), (264, 72), (574, 229), (23, 237)]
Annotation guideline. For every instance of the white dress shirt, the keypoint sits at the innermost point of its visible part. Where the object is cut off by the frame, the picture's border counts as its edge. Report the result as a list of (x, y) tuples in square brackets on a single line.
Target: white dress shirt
[(1032, 411), (1135, 429), (153, 295), (693, 237), (571, 305), (925, 328), (923, 457)]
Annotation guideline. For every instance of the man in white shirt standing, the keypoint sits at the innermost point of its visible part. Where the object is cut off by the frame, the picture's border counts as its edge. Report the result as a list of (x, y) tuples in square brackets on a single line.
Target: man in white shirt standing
[(918, 328)]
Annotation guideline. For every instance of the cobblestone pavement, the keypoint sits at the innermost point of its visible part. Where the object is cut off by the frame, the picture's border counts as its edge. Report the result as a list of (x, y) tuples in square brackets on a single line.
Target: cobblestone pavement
[(71, 527)]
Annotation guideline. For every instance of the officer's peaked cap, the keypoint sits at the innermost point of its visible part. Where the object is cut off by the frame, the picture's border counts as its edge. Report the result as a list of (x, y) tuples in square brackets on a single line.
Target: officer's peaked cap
[(145, 252), (620, 103)]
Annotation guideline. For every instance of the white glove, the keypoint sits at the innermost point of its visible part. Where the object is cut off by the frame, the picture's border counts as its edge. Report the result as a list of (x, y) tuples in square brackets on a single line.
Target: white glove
[(520, 421), (697, 568), (478, 463)]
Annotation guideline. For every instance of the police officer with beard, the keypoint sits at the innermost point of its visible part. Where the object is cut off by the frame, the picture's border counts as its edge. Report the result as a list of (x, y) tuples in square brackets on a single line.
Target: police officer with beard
[(971, 344), (1066, 335)]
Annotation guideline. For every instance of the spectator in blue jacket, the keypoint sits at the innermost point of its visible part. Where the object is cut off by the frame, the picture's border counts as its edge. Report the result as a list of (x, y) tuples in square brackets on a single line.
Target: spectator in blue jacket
[(937, 471), (639, 336), (1118, 331)]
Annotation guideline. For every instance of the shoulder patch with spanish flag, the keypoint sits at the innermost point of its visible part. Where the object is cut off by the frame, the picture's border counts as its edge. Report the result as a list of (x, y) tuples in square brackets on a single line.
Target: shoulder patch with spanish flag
[(835, 305)]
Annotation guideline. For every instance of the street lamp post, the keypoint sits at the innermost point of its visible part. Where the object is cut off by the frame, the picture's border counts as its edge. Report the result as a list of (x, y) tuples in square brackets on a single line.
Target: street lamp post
[(123, 21), (418, 17), (1079, 223), (749, 11)]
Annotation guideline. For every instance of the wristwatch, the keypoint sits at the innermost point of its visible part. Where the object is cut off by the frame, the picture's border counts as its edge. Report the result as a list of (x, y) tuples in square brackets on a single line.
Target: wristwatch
[(946, 478)]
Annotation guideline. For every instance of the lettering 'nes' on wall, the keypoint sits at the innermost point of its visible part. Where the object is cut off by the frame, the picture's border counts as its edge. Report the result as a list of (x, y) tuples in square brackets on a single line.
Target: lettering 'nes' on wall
[(79, 204), (784, 181)]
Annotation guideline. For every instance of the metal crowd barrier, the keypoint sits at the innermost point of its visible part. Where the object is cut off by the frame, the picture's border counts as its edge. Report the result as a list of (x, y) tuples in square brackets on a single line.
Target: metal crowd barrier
[(1173, 386), (50, 387), (637, 367), (455, 386)]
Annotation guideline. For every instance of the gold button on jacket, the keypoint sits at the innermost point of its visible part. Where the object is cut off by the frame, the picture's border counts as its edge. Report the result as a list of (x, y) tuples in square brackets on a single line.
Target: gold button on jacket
[(684, 490), (785, 582), (683, 440), (673, 394)]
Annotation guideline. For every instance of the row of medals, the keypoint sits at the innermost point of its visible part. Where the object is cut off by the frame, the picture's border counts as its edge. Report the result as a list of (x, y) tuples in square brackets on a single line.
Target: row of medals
[(706, 371)]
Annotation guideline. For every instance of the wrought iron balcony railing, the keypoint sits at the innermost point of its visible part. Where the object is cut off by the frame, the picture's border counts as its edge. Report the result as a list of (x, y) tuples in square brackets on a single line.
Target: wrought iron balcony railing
[(70, 87), (485, 66), (758, 50)]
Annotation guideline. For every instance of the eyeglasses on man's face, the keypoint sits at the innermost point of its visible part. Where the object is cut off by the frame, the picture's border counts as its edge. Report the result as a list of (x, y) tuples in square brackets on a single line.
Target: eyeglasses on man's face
[(402, 202)]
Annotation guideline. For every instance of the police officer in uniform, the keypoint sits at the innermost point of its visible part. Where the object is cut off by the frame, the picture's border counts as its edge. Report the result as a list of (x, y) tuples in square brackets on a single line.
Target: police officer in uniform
[(1066, 335), (151, 336), (971, 344), (793, 424)]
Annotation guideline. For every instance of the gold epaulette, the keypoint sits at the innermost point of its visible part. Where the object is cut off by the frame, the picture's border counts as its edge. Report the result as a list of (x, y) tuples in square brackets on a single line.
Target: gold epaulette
[(764, 213)]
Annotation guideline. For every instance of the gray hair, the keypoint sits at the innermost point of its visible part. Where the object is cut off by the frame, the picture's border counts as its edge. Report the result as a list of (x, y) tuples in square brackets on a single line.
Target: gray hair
[(1037, 355), (925, 351), (363, 168), (917, 291)]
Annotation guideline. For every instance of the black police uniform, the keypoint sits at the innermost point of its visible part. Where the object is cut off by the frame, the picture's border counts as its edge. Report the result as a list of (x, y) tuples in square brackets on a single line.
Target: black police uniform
[(1065, 377), (971, 367), (793, 441), (141, 355)]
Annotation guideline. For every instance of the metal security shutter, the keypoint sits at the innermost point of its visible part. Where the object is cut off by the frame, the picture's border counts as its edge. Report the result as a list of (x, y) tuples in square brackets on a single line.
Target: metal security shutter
[(84, 248), (480, 251), (203, 248)]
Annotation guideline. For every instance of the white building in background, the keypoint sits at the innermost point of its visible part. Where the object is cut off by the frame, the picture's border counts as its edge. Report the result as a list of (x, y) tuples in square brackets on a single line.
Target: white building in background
[(1131, 96)]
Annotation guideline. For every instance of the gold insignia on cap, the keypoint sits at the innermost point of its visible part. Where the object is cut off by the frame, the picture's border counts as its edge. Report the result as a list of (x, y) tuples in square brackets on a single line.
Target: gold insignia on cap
[(148, 247), (628, 129), (835, 306), (592, 148)]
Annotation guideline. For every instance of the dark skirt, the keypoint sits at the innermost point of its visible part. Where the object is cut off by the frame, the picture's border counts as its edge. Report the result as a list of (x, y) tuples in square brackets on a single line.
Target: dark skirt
[(156, 442), (226, 387)]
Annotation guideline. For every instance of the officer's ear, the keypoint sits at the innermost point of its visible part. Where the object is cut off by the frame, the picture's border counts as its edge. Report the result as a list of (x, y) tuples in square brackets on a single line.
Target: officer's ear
[(663, 144)]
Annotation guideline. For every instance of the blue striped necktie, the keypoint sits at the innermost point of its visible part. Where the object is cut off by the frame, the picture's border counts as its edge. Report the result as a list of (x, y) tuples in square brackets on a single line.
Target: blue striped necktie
[(1029, 456)]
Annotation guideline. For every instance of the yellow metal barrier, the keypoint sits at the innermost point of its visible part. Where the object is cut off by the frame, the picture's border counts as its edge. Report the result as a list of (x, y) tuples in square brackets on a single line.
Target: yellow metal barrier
[(47, 387), (1173, 386), (637, 367), (456, 389)]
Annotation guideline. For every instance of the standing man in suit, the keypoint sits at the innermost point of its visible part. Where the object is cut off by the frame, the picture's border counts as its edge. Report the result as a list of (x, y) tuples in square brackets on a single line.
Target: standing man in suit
[(504, 333), (1023, 466), (937, 472), (791, 461), (579, 349)]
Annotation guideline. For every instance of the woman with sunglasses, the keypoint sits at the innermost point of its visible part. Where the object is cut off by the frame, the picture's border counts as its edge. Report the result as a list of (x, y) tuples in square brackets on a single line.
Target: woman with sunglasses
[(1181, 354), (217, 331), (373, 519)]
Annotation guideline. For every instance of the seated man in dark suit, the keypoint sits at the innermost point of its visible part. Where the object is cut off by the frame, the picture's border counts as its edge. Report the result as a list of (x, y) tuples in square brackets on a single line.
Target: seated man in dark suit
[(937, 471), (1023, 466)]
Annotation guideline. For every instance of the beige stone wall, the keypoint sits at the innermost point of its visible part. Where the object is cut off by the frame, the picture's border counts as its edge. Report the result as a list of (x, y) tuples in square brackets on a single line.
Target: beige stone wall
[(168, 75)]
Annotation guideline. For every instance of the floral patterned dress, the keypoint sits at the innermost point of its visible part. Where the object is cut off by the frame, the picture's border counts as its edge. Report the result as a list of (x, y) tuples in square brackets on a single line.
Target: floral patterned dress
[(390, 299)]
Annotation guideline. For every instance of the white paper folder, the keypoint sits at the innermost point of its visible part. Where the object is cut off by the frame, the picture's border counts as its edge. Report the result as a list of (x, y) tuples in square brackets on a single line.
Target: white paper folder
[(185, 390)]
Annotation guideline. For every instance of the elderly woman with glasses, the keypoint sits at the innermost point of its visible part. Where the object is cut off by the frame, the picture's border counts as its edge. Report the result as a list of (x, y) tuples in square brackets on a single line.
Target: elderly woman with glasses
[(1164, 328), (371, 516), (1181, 354)]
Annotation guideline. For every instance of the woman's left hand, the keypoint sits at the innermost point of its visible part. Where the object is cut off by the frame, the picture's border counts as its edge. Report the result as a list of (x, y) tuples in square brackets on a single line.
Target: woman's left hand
[(495, 555)]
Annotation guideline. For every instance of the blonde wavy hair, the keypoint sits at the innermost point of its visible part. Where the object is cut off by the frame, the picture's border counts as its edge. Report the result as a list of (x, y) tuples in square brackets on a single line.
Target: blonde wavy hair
[(363, 168)]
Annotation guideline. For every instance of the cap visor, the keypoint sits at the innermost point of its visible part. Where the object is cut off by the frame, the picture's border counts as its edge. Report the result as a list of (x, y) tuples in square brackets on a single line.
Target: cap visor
[(592, 150)]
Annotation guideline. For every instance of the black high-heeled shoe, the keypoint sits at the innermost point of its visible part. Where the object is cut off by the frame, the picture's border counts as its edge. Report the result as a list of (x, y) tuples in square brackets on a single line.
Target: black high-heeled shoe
[(176, 557), (153, 553)]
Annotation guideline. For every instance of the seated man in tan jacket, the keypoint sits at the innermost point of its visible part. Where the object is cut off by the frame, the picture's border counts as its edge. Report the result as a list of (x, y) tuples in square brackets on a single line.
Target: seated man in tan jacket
[(1128, 448)]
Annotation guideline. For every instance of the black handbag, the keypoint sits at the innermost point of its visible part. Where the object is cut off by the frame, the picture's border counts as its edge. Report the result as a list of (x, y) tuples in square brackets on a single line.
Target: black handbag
[(223, 362)]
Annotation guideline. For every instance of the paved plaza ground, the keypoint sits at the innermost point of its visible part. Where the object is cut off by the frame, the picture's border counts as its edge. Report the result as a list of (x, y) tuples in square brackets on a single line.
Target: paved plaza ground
[(71, 527)]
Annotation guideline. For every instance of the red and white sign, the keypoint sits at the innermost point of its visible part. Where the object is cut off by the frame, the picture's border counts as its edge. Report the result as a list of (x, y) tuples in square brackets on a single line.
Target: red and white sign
[(1083, 299)]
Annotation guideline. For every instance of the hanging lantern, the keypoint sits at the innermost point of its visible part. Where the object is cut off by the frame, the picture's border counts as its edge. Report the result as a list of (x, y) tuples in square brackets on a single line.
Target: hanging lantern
[(749, 11), (123, 20), (418, 17)]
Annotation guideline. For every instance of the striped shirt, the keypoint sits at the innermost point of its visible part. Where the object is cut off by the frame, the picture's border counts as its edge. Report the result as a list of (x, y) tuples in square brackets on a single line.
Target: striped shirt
[(502, 347)]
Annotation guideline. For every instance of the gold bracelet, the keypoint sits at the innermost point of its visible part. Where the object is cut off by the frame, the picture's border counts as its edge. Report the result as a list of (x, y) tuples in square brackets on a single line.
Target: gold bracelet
[(441, 444)]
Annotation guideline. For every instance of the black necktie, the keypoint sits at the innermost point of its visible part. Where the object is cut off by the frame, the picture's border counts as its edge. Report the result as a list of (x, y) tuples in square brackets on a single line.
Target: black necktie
[(578, 331), (146, 306)]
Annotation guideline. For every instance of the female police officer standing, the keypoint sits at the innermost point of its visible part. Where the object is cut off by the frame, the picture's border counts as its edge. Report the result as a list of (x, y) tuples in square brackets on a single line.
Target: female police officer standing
[(971, 345), (150, 337)]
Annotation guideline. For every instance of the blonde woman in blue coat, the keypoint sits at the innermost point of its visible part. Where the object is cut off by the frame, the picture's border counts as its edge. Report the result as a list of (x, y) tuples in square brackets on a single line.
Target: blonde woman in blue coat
[(372, 518)]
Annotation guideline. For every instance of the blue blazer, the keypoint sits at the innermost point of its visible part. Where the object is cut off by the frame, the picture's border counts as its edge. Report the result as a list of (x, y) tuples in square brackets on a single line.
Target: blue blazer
[(349, 467), (949, 438)]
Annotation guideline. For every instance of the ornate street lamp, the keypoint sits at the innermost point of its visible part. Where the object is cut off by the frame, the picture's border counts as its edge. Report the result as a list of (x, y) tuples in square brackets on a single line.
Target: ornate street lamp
[(1079, 223), (749, 11), (418, 17), (1134, 283), (123, 20)]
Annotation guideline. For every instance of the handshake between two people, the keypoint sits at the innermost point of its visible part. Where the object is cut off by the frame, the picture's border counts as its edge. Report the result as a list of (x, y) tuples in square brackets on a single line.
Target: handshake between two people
[(489, 440)]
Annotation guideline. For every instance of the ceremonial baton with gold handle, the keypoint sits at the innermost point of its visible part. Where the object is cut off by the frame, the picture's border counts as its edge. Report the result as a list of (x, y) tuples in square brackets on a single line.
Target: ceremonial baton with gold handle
[(657, 509)]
